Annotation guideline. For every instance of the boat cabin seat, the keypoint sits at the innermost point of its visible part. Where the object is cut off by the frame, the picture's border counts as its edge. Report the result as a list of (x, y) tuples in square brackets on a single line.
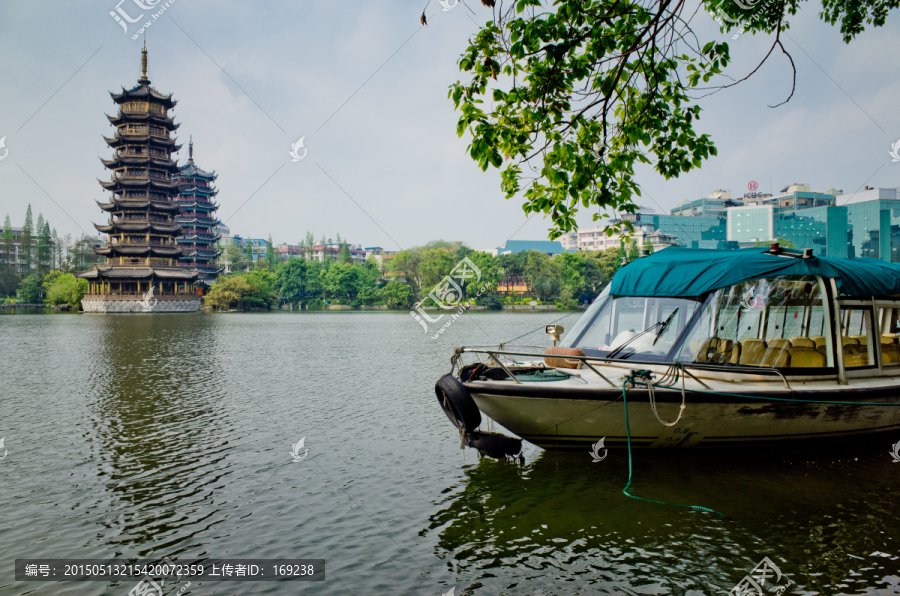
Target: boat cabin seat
[(752, 351), (717, 351), (850, 341), (862, 340), (777, 356), (890, 353), (728, 352), (779, 342), (807, 357), (804, 342), (819, 340), (855, 355)]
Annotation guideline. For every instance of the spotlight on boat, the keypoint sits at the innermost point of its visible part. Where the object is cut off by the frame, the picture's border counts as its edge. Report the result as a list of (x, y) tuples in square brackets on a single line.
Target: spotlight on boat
[(554, 331)]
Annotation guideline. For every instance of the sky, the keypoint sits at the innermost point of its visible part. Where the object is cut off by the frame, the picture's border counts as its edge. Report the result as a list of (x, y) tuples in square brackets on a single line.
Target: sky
[(365, 86)]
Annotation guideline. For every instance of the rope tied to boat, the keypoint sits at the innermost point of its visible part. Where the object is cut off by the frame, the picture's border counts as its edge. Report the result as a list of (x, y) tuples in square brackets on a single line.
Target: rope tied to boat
[(643, 377), (457, 354)]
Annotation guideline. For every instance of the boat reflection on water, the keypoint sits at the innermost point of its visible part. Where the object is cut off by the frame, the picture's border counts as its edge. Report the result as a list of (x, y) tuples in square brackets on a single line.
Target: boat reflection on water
[(563, 526)]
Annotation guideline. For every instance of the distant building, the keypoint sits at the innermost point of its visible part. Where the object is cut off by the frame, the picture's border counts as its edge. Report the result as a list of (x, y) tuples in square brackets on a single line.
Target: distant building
[(823, 229), (569, 241), (712, 206), (751, 224), (198, 221), (143, 257)]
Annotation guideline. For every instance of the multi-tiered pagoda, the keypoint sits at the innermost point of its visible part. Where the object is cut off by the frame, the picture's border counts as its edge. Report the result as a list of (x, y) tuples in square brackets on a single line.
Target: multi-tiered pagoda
[(197, 218), (142, 272)]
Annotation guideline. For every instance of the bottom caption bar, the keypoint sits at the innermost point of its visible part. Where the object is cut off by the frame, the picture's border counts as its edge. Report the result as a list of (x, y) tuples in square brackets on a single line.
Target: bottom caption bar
[(151, 570)]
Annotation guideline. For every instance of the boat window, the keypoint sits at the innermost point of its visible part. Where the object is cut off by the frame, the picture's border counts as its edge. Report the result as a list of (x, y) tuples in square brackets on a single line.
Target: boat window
[(889, 319), (771, 323), (578, 329), (856, 324), (640, 329)]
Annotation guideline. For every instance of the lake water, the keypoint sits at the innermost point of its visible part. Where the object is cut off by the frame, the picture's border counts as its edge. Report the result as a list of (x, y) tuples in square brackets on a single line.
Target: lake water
[(169, 435)]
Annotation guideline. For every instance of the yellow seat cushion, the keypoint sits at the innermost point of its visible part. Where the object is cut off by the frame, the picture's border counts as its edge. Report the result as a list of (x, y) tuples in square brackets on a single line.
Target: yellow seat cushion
[(819, 340), (807, 357), (752, 351), (855, 355), (778, 342), (804, 342), (776, 357), (850, 341), (862, 340), (890, 353)]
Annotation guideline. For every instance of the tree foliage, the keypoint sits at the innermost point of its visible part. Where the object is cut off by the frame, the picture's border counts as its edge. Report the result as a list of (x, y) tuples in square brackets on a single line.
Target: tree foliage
[(568, 97)]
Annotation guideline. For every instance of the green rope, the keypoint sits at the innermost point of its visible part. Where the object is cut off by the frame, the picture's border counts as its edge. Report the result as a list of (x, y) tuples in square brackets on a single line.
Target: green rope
[(538, 329), (631, 379)]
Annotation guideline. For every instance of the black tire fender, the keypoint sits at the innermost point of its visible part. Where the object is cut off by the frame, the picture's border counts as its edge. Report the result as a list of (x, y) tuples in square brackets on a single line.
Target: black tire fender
[(457, 404), (495, 445)]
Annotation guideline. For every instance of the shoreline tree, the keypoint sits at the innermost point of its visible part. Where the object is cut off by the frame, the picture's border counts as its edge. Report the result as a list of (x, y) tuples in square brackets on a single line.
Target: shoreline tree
[(567, 97)]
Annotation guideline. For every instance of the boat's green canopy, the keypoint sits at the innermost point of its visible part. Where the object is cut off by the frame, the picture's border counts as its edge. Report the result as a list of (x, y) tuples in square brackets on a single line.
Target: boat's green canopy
[(691, 272)]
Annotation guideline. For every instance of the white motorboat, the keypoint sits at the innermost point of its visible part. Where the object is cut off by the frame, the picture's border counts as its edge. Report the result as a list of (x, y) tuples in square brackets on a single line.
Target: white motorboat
[(709, 348)]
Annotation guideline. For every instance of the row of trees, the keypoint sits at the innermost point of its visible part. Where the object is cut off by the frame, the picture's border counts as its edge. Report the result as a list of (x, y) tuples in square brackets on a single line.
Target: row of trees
[(40, 250), (569, 279), (56, 287)]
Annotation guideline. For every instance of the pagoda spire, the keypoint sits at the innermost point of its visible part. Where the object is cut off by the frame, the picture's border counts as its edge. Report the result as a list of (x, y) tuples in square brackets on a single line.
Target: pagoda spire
[(191, 150), (144, 80)]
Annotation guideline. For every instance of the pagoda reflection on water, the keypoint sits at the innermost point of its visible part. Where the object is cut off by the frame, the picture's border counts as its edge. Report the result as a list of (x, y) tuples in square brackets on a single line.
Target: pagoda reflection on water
[(142, 272), (197, 218)]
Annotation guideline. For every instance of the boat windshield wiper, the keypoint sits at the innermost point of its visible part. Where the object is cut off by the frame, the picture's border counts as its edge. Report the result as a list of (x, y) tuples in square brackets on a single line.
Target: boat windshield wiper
[(631, 339), (663, 328)]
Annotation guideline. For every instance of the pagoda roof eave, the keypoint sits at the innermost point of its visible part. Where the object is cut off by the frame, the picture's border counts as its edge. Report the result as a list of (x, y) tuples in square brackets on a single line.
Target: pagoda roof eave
[(143, 92), (100, 272), (140, 160), (140, 139)]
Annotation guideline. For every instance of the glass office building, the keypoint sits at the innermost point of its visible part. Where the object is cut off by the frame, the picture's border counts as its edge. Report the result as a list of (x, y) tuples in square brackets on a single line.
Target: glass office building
[(874, 229), (749, 225), (687, 230), (823, 229)]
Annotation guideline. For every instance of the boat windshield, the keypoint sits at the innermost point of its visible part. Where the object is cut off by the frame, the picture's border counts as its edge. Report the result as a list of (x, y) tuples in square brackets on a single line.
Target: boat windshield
[(778, 322), (642, 329)]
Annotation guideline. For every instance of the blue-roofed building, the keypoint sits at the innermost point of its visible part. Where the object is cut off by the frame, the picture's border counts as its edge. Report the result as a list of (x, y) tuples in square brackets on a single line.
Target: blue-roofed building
[(550, 247)]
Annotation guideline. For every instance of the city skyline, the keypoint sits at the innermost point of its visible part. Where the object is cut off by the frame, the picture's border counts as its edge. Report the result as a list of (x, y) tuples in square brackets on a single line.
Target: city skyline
[(382, 161)]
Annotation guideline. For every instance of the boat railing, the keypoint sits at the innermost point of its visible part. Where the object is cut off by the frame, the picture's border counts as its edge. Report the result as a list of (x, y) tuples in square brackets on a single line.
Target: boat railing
[(495, 352)]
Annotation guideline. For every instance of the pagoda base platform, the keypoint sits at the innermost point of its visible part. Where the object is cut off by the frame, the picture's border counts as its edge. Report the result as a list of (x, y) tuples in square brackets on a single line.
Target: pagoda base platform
[(134, 303)]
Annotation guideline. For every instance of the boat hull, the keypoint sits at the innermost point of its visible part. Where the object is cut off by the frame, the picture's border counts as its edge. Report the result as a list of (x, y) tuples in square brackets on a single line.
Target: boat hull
[(572, 419)]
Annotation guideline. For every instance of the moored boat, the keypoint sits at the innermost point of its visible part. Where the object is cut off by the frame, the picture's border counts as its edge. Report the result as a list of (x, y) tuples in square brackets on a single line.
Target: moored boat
[(709, 349)]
